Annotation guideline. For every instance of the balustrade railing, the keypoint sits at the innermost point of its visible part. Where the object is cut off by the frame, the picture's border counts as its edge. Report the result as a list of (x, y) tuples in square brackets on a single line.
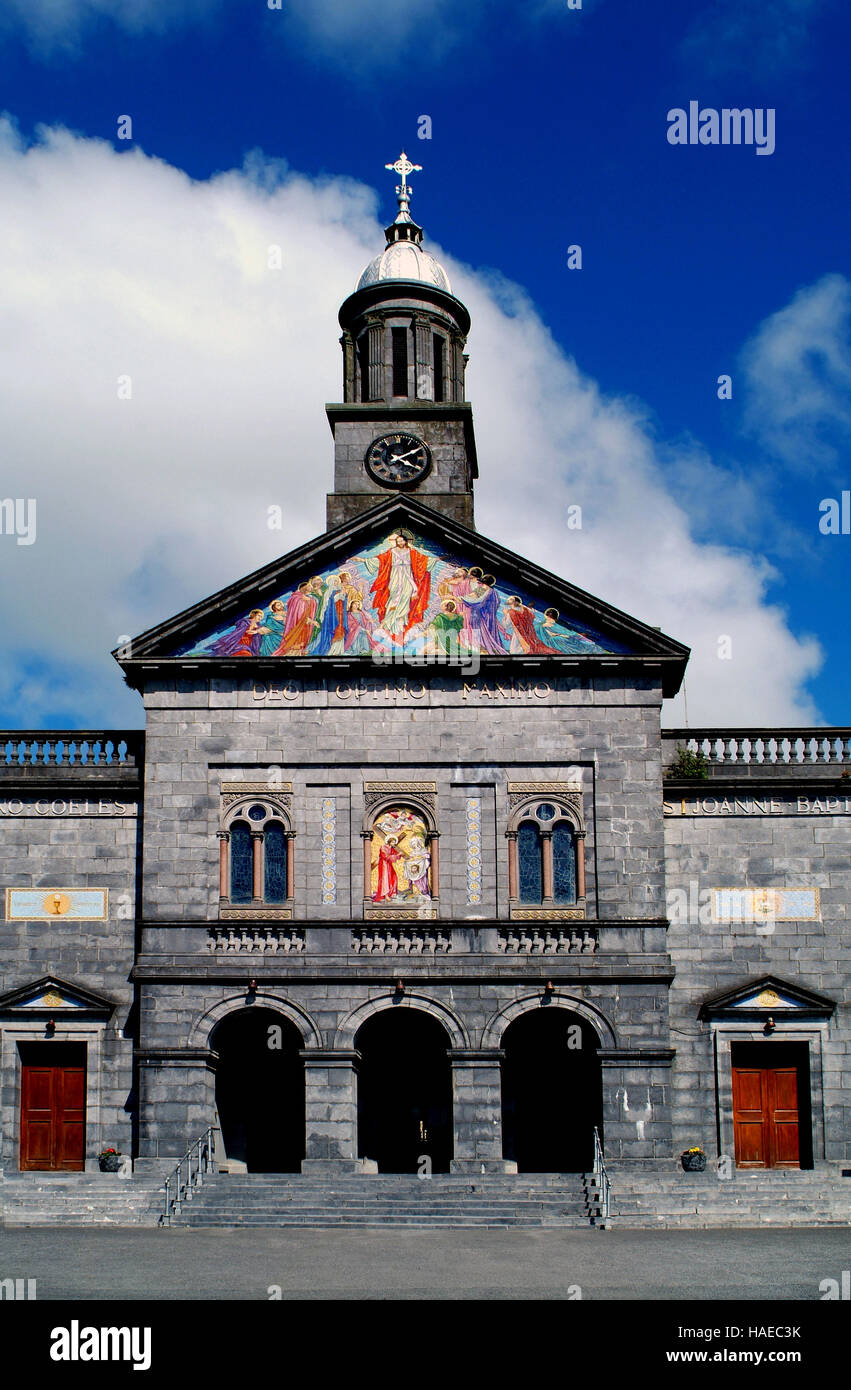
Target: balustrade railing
[(270, 940), (404, 939), (769, 747), (72, 748), (548, 941)]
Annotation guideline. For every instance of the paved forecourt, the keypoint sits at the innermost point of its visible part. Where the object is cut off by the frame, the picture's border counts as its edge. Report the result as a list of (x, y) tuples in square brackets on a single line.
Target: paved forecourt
[(760, 1265)]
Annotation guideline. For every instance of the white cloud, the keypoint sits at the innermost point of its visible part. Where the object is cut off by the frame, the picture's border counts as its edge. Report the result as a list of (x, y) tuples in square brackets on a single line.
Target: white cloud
[(749, 37), (362, 36), (113, 263), (798, 372), (52, 24)]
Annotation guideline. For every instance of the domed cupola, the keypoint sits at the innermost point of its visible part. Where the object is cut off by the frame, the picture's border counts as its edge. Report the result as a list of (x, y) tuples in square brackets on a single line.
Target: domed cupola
[(404, 332), (403, 258), (403, 424)]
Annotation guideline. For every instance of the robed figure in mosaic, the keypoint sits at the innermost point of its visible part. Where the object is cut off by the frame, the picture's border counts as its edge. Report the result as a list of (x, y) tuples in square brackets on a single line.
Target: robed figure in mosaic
[(402, 587)]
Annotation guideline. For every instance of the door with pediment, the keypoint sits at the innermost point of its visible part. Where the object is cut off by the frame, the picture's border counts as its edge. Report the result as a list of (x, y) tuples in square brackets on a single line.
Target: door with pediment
[(53, 1107)]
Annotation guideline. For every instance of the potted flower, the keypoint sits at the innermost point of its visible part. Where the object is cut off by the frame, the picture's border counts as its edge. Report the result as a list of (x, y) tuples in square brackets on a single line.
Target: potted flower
[(110, 1160), (693, 1160)]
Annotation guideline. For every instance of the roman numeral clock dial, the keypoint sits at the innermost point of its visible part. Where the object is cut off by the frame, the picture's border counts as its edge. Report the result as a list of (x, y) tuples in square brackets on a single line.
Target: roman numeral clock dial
[(397, 460)]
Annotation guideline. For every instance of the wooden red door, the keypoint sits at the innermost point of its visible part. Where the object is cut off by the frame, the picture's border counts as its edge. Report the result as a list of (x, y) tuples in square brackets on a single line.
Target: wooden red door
[(766, 1117), (53, 1110)]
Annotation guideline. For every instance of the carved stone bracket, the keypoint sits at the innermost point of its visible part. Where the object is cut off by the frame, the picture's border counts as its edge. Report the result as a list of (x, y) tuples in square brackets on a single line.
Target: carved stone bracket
[(425, 792)]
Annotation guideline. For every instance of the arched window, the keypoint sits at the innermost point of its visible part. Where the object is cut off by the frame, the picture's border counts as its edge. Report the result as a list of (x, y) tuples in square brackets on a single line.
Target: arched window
[(546, 847), (241, 879), (564, 862), (256, 856), (274, 863), (530, 863)]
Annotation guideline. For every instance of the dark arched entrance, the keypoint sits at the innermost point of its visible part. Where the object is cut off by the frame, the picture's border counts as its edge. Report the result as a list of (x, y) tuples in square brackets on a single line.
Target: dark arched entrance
[(551, 1092), (404, 1092), (260, 1090)]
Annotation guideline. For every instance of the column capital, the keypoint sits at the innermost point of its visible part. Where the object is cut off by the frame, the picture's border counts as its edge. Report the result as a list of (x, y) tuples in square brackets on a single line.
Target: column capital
[(329, 1056), (475, 1056)]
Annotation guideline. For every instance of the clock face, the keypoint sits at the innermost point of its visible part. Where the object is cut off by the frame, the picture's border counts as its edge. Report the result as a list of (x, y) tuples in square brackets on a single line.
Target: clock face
[(397, 459)]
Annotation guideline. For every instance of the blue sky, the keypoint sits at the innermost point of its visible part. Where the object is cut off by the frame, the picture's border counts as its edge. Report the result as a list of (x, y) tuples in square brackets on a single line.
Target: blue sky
[(548, 129)]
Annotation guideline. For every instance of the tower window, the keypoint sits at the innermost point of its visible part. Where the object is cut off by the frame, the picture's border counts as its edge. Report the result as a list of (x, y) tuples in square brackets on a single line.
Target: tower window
[(363, 366), (400, 361), (438, 367)]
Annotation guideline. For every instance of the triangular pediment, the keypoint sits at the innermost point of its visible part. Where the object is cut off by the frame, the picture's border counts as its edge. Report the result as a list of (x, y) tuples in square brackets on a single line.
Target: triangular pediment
[(768, 995), (398, 582), (53, 995)]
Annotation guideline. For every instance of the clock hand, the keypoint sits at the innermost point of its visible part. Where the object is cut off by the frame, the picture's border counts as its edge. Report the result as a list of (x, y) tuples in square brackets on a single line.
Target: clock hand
[(415, 450), (402, 458)]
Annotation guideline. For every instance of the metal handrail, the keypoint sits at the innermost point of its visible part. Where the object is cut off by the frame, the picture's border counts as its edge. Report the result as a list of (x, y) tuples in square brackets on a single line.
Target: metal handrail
[(202, 1151), (601, 1178)]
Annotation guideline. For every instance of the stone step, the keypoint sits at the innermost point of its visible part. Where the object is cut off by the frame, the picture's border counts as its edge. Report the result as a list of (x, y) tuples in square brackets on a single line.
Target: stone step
[(369, 1208), (444, 1200), (458, 1222)]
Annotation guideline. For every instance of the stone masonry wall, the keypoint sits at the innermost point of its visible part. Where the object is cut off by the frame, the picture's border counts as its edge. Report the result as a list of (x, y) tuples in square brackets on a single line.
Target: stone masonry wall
[(788, 850), (198, 739), (73, 851)]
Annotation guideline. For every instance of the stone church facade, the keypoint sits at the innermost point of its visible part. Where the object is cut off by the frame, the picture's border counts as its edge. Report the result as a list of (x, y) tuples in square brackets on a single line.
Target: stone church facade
[(403, 872)]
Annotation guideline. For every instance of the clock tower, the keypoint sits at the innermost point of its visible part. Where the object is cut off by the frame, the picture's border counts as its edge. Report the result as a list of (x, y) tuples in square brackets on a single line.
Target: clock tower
[(403, 425)]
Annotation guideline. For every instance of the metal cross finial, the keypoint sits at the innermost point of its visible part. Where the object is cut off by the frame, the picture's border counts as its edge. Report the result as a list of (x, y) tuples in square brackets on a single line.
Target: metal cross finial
[(404, 167)]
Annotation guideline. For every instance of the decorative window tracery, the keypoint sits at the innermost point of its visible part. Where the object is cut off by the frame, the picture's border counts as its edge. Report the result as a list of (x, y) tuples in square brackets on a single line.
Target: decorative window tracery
[(256, 843), (546, 851)]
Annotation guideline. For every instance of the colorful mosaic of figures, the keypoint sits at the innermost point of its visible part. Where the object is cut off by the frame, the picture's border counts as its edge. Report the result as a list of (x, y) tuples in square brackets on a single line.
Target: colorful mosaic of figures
[(401, 861), (401, 595)]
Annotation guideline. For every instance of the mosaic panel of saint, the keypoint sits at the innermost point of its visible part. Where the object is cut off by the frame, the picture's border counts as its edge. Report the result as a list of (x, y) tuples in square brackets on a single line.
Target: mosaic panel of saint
[(401, 861)]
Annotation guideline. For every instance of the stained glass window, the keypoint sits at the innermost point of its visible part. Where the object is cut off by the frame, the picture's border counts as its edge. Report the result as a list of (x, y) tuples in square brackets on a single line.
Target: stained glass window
[(240, 863), (275, 864), (530, 875), (564, 863)]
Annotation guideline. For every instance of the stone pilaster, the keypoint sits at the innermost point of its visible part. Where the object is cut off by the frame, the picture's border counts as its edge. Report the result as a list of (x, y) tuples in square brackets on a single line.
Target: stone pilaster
[(331, 1113), (636, 1103), (477, 1112), (177, 1102)]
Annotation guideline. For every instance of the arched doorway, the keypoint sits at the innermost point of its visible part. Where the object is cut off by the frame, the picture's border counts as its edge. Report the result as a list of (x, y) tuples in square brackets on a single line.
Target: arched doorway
[(260, 1090), (404, 1091), (551, 1092)]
